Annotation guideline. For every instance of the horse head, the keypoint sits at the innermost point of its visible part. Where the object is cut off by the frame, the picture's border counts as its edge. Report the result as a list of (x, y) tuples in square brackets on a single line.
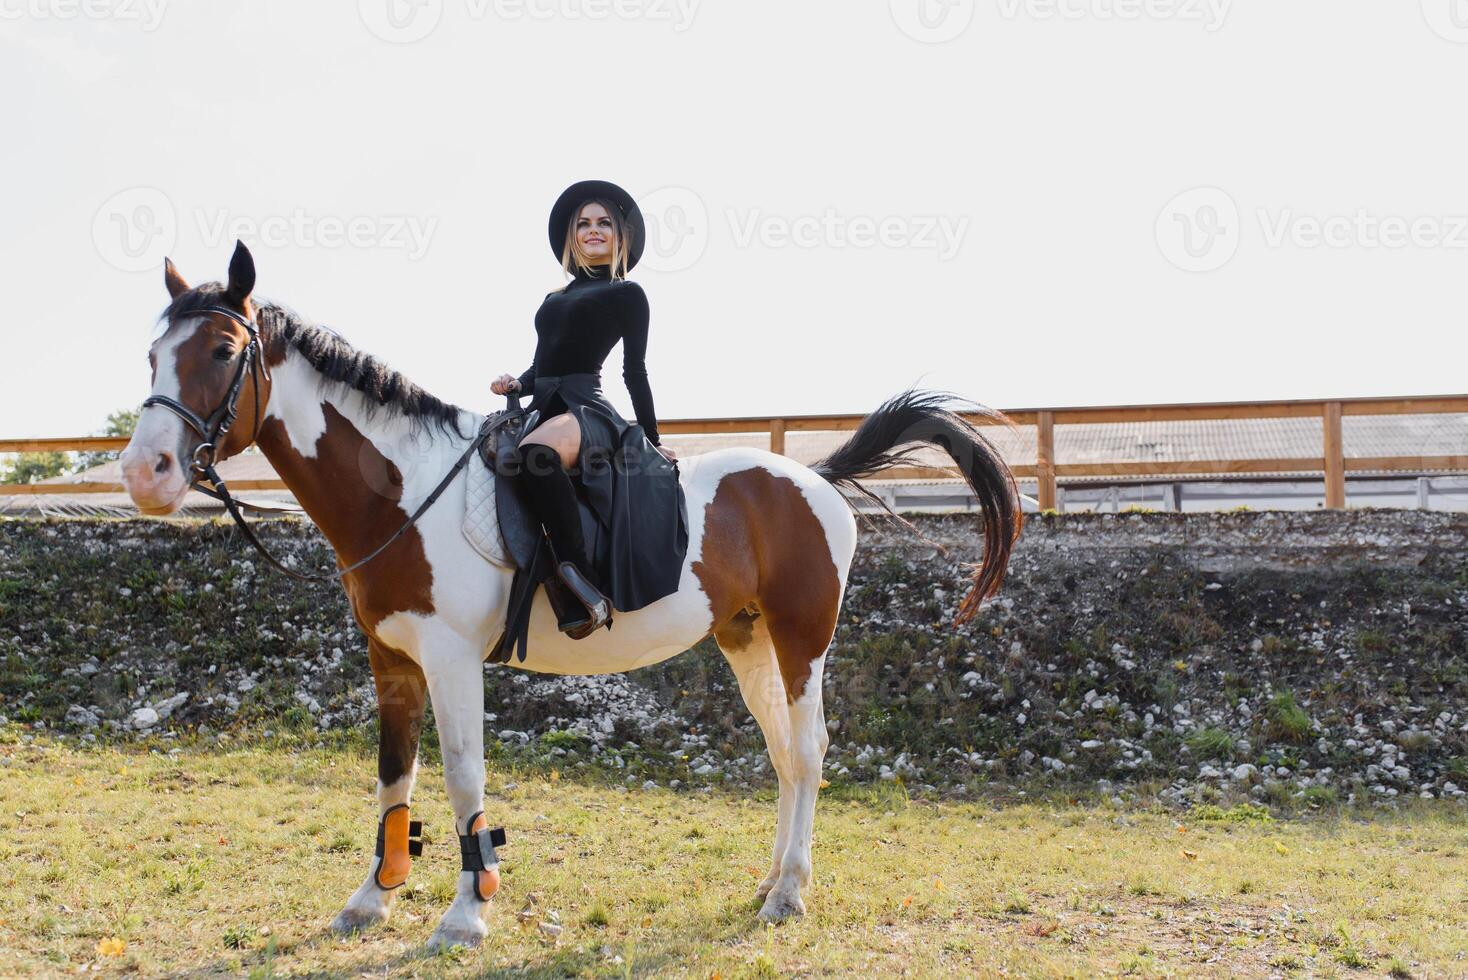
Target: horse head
[(209, 391)]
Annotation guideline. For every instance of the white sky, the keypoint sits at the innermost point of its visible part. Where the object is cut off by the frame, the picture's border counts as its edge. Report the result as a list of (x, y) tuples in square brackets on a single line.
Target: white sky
[(1051, 137)]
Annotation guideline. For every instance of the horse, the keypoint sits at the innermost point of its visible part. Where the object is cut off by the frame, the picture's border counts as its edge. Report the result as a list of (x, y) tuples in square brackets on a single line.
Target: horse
[(770, 545)]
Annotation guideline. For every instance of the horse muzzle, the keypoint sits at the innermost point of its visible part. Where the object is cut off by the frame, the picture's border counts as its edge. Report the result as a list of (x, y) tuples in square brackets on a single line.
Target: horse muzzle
[(154, 478)]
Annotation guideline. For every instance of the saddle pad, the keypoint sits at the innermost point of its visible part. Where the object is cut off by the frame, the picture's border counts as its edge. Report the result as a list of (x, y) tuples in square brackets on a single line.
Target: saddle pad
[(481, 520)]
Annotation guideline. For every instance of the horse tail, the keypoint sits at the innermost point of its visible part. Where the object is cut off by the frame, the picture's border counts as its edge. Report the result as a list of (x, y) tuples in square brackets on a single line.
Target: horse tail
[(896, 432)]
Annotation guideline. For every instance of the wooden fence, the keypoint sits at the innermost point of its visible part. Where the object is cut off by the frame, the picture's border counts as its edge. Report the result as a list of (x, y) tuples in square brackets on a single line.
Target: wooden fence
[(1046, 469)]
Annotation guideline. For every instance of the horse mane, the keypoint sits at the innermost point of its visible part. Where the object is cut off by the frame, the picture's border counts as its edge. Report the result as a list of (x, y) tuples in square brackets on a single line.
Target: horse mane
[(334, 359)]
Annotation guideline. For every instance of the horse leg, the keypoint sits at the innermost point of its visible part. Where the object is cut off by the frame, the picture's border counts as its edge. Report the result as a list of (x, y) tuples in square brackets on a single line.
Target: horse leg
[(800, 647), (456, 683), (401, 698), (746, 645)]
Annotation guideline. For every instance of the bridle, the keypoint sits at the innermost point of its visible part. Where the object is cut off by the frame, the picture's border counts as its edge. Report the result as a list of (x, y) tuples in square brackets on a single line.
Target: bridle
[(215, 429)]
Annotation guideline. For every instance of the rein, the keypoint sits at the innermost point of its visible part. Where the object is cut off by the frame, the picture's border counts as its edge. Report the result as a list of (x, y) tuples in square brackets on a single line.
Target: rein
[(214, 430)]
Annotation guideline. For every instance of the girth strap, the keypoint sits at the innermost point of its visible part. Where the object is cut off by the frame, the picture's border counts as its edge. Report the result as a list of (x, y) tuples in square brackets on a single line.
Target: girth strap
[(515, 638)]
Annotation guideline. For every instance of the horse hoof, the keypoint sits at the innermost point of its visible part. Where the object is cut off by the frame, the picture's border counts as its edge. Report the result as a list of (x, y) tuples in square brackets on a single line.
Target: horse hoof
[(445, 938), (351, 921), (778, 908), (765, 887)]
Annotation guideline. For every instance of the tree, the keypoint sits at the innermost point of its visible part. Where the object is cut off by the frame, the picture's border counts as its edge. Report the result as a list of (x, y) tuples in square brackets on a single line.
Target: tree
[(122, 424), (34, 467)]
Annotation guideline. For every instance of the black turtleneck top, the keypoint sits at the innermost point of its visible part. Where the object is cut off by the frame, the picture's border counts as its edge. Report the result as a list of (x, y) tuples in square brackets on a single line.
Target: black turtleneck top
[(577, 328)]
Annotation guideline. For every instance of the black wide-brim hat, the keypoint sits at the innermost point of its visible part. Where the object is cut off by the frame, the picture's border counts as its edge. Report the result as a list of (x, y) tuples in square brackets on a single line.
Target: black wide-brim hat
[(579, 193)]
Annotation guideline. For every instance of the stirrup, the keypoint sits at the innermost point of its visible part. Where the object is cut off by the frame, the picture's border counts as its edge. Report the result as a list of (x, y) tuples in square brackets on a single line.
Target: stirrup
[(598, 606), (570, 613)]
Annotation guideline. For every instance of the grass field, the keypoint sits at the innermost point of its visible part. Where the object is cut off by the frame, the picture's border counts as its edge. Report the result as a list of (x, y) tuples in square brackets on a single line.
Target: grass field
[(214, 862)]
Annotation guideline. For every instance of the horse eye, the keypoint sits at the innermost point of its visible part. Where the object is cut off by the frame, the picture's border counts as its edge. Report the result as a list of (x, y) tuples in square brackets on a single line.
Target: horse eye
[(225, 353)]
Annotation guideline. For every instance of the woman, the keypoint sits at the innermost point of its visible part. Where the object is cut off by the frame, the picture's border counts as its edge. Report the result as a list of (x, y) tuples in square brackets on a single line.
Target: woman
[(630, 481)]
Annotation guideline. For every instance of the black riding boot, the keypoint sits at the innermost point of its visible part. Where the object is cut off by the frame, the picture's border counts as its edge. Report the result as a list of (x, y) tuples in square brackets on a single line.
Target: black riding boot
[(553, 498)]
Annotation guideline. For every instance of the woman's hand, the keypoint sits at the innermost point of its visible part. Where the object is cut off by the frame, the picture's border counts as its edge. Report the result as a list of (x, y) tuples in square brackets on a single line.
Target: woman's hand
[(668, 454), (504, 384)]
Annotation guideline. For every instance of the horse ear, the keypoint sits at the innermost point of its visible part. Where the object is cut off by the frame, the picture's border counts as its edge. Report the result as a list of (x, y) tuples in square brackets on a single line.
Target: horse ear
[(171, 279), (241, 275)]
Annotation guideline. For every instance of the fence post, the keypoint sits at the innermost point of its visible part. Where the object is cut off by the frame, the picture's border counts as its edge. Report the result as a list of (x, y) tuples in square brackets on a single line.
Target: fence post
[(1172, 498), (777, 436), (1335, 461), (1045, 458)]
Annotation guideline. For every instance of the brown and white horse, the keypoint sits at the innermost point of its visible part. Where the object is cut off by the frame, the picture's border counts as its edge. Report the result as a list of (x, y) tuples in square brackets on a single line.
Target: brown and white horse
[(770, 544)]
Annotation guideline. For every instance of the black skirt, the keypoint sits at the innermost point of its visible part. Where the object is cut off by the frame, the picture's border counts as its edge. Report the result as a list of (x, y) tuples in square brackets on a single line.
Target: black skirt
[(637, 532)]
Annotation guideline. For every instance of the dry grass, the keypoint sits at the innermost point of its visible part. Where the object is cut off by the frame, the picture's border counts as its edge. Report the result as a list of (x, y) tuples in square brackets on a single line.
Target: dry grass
[(233, 863)]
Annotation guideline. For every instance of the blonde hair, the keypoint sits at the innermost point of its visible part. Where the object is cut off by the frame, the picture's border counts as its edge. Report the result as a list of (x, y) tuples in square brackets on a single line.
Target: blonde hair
[(571, 257)]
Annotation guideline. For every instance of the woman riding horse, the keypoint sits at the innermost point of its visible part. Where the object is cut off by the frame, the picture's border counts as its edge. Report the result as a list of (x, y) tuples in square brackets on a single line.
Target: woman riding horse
[(630, 481), (764, 570)]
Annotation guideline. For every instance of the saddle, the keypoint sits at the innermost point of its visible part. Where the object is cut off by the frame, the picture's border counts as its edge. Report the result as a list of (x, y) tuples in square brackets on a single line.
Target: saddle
[(496, 491)]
